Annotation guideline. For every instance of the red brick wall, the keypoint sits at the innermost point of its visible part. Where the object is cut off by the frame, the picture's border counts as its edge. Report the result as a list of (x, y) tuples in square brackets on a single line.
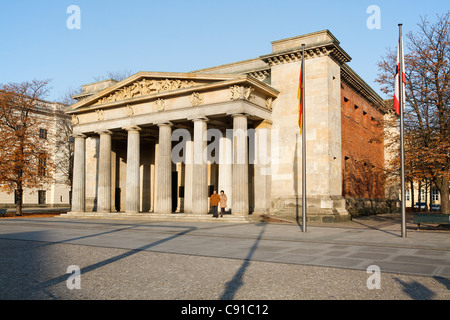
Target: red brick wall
[(362, 159)]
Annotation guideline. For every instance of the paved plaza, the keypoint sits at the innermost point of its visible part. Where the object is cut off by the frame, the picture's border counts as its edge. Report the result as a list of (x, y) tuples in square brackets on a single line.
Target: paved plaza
[(136, 259)]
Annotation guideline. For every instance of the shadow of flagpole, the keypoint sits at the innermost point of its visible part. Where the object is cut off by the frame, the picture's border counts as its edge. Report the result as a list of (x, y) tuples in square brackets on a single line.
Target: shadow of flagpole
[(234, 284)]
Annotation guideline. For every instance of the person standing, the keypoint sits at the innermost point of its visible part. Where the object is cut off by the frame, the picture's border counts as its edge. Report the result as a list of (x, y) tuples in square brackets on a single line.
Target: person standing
[(223, 202), (214, 199)]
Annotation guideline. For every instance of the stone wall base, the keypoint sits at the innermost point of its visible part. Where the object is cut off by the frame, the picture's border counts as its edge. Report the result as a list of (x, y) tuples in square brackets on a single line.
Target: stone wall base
[(319, 208), (363, 206)]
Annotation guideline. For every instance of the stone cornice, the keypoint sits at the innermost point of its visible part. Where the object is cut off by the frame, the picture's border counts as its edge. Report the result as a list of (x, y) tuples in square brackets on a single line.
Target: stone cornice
[(327, 48), (260, 74), (82, 96)]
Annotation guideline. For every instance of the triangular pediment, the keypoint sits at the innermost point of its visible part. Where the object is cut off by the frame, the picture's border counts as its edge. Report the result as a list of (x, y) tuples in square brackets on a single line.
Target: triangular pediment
[(148, 84)]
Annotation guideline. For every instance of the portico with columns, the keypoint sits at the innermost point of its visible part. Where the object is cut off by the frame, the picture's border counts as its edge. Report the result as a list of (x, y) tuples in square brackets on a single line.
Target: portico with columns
[(160, 143)]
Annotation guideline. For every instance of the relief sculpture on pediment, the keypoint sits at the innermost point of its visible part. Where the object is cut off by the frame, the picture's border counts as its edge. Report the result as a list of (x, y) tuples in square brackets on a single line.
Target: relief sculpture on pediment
[(146, 87)]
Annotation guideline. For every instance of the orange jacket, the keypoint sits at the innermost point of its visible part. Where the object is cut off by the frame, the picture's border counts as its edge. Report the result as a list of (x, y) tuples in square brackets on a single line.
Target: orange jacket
[(215, 198)]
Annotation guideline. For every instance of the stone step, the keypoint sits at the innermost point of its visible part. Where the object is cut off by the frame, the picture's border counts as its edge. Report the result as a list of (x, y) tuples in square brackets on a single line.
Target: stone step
[(227, 218)]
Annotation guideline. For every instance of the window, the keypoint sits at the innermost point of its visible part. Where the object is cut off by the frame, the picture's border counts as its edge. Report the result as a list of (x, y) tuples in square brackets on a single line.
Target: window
[(43, 134), (407, 193), (42, 165), (422, 195), (435, 194)]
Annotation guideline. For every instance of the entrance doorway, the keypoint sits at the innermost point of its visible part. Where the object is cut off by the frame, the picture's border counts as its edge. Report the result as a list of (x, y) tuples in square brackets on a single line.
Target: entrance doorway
[(41, 197)]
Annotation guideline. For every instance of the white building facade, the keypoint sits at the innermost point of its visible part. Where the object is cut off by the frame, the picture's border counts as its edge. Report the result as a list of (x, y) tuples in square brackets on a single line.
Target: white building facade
[(57, 193)]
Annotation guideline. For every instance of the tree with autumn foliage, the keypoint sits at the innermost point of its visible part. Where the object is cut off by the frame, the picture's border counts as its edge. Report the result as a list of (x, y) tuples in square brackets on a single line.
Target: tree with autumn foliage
[(24, 153), (427, 103)]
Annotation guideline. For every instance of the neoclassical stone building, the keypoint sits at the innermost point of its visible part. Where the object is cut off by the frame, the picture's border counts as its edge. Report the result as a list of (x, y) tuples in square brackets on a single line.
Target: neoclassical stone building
[(159, 143), (51, 134)]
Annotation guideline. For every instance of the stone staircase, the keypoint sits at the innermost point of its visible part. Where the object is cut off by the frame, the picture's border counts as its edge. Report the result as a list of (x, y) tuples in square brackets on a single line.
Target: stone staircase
[(227, 218)]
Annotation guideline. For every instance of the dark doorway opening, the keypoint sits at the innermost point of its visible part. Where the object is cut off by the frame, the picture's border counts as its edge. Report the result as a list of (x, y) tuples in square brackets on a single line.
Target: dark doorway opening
[(117, 200), (174, 190)]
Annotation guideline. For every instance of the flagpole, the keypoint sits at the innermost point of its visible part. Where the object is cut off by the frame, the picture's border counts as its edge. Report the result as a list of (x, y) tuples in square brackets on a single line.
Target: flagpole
[(303, 143), (402, 145)]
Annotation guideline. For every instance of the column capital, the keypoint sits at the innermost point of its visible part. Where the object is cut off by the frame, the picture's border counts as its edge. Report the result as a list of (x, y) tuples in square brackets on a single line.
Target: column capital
[(200, 118), (238, 114), (132, 128), (78, 135), (164, 123), (100, 132)]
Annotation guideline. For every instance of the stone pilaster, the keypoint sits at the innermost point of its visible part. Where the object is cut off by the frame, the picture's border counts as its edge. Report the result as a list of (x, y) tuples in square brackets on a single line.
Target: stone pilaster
[(163, 203), (79, 174), (133, 163), (240, 204), (104, 172)]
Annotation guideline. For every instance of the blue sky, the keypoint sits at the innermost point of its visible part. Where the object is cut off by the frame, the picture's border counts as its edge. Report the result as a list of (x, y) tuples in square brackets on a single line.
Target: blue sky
[(181, 36)]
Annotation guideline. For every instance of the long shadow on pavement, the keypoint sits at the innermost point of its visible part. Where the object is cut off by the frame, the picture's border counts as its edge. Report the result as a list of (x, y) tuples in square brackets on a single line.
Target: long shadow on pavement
[(234, 284), (62, 278)]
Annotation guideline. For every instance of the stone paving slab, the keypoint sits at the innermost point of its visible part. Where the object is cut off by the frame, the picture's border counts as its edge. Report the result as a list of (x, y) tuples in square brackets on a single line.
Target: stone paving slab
[(321, 246), (180, 260), (38, 270)]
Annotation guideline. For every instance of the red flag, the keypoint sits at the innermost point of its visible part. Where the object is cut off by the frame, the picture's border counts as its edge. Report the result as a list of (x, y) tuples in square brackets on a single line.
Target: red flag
[(399, 82)]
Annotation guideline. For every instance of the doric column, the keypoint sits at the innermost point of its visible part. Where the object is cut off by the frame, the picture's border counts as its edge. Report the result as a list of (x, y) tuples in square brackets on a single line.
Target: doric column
[(104, 172), (154, 175), (163, 203), (133, 163), (79, 174), (225, 166), (200, 169), (240, 204), (188, 175)]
